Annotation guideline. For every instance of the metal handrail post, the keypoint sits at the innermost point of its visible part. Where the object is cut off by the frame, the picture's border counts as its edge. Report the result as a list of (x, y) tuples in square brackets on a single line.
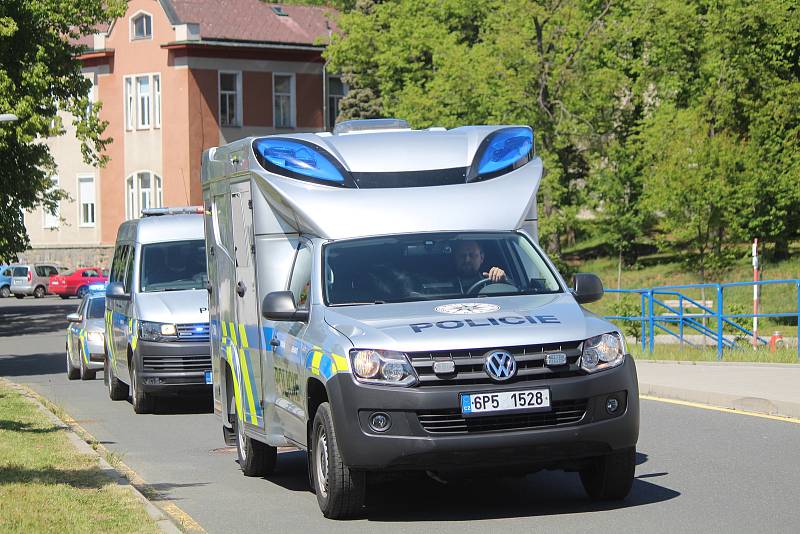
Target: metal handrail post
[(798, 320), (644, 329), (720, 309), (652, 321), (680, 314)]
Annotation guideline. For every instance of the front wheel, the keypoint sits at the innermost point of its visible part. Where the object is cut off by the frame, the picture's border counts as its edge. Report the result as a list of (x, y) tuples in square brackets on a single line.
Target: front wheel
[(256, 459), (141, 400), (610, 477), (72, 372), (86, 374), (116, 390), (340, 490)]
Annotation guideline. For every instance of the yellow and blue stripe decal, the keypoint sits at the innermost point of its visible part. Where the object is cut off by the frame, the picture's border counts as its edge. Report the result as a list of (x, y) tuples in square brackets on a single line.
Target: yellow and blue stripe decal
[(85, 345), (236, 345), (326, 364)]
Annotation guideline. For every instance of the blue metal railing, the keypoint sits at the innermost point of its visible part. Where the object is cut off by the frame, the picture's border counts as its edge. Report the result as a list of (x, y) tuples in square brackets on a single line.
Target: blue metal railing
[(654, 309)]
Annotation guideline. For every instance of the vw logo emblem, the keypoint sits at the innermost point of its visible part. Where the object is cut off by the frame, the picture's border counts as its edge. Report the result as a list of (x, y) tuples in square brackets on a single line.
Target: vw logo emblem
[(500, 365)]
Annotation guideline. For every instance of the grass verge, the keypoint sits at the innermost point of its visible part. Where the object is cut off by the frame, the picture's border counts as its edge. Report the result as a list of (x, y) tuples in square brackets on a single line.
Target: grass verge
[(48, 486), (675, 353)]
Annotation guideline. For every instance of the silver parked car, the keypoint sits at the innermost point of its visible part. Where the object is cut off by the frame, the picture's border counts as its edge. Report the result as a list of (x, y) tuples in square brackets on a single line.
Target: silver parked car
[(86, 337), (32, 279)]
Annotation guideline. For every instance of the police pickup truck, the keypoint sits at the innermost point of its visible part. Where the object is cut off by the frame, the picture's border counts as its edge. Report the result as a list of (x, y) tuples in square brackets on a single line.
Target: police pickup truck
[(378, 299)]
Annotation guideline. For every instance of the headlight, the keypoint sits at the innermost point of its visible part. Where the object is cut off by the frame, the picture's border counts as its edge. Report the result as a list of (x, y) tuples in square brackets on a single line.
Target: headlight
[(95, 337), (149, 331), (382, 367), (603, 352)]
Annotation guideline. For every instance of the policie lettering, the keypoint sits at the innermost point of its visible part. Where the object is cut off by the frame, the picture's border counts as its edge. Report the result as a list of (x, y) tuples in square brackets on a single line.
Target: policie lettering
[(490, 321)]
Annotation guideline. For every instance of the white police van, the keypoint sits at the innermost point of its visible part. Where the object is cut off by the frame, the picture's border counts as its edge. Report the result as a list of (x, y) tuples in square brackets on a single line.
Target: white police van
[(379, 300)]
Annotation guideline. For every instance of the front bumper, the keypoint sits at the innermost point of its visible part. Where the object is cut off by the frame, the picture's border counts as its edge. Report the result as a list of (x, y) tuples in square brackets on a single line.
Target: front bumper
[(409, 445), (96, 356), (173, 367)]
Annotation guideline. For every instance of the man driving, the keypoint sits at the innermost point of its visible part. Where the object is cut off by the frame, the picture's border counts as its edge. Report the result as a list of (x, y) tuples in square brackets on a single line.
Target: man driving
[(468, 257)]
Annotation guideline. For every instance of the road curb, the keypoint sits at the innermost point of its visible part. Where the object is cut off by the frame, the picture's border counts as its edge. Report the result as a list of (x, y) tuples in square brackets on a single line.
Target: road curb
[(721, 400), (163, 520)]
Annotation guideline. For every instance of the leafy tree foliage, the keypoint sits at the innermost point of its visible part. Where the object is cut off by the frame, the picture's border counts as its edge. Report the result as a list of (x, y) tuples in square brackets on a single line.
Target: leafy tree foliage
[(39, 74)]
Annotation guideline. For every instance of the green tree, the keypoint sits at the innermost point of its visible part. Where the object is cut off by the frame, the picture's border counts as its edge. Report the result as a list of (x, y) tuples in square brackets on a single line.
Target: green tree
[(40, 74)]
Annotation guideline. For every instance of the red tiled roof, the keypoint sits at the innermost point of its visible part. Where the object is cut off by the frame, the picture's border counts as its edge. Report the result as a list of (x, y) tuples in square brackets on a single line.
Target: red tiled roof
[(254, 20)]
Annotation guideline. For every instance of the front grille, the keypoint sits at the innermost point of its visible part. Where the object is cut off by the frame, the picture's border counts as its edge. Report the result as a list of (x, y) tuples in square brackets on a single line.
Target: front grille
[(193, 332), (452, 422), (176, 364), (469, 364)]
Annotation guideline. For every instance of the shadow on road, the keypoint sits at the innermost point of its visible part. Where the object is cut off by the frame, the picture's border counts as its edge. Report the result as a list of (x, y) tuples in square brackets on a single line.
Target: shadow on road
[(22, 320), (423, 499), (33, 364), (194, 404)]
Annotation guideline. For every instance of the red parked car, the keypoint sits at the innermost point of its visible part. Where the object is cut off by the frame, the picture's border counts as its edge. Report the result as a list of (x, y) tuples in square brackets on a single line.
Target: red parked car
[(76, 283)]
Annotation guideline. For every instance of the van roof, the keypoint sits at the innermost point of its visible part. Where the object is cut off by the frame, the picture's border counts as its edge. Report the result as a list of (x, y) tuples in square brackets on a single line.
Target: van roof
[(161, 229)]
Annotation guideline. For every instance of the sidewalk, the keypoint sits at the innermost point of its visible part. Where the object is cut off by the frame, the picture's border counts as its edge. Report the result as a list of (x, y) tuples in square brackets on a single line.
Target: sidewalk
[(772, 389)]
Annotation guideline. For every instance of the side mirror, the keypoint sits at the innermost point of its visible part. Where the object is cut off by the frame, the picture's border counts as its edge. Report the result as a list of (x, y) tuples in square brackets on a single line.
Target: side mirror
[(587, 287), (74, 317), (116, 291), (280, 306)]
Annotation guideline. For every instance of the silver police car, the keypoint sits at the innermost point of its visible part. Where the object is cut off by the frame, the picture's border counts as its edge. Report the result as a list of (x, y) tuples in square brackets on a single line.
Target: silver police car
[(86, 336)]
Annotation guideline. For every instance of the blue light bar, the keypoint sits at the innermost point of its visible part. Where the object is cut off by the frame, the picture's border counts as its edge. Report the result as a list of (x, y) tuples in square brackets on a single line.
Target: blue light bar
[(505, 148), (294, 157), (94, 288)]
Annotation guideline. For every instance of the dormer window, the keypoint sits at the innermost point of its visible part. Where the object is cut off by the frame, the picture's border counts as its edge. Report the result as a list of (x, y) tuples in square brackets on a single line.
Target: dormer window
[(142, 26)]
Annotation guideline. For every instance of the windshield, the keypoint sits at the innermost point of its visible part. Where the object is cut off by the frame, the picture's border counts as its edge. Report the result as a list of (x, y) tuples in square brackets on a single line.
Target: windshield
[(433, 266), (173, 266), (97, 308)]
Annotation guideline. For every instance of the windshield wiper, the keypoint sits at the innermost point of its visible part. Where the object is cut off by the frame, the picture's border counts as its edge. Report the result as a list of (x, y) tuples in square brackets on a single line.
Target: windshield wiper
[(360, 303)]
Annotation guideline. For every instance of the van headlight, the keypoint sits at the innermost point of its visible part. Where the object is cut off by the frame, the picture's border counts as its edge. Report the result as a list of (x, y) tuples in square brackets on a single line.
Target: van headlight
[(603, 352), (150, 331), (382, 367)]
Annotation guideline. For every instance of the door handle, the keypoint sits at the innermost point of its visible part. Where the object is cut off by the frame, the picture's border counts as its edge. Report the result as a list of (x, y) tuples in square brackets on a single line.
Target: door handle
[(240, 288), (275, 342)]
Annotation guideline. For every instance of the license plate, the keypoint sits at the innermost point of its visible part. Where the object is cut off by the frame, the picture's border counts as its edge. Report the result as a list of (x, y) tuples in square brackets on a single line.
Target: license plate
[(208, 377), (528, 400)]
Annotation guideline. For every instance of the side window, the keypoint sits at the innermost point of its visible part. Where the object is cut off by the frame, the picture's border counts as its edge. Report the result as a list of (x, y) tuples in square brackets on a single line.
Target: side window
[(82, 307), (128, 269), (53, 271), (7, 272), (300, 282), (41, 270), (116, 263)]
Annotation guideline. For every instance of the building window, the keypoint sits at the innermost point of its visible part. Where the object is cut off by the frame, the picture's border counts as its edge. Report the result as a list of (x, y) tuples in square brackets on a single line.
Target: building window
[(283, 96), (157, 100), (91, 96), (142, 190), (336, 91), (229, 99), (52, 219), (143, 99), (86, 199), (141, 26), (129, 103)]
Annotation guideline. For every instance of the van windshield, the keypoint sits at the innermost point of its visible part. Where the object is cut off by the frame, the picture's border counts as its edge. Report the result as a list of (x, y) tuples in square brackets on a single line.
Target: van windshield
[(173, 266), (420, 267)]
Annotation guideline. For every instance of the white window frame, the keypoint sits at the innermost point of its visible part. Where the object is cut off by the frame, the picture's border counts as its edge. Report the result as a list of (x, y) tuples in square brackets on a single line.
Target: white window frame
[(132, 26), (83, 223), (155, 81), (52, 220), (129, 91), (239, 111), (337, 98), (133, 193), (292, 101), (140, 124), (92, 96)]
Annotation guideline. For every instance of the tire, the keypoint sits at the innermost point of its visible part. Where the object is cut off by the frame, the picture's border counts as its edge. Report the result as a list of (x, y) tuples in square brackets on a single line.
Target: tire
[(65, 297), (5, 292), (142, 401), (610, 477), (19, 295), (340, 490), (116, 390), (86, 374), (39, 292), (82, 292), (72, 372), (256, 459)]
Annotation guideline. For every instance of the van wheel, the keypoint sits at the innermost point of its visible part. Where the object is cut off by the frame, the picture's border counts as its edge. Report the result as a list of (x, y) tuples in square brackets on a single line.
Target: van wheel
[(256, 459), (610, 477), (340, 490), (5, 292), (39, 292), (72, 372), (116, 390), (86, 374), (142, 401)]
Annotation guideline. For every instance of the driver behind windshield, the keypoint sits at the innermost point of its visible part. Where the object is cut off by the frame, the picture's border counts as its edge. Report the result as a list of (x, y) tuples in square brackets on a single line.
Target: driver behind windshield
[(468, 257)]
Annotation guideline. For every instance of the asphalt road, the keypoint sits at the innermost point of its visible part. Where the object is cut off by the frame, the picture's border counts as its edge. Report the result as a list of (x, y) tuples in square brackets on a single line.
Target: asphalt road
[(698, 470)]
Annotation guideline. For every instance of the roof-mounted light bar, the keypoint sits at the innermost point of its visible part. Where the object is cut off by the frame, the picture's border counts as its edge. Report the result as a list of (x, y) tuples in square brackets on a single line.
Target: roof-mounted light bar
[(362, 125), (183, 210)]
